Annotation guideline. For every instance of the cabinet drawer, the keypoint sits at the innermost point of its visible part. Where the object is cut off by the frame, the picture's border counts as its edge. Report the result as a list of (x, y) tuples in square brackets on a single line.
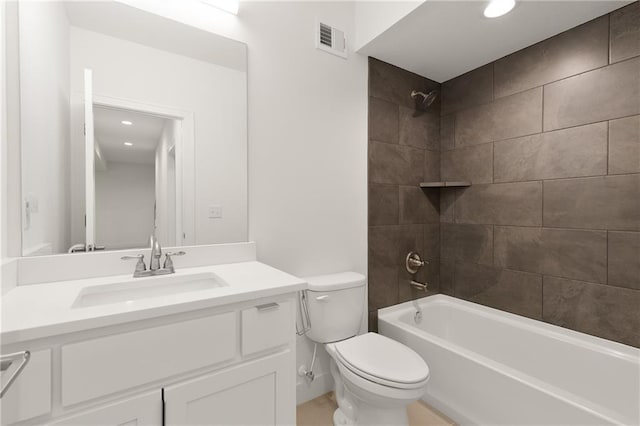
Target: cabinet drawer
[(30, 395), (110, 364), (266, 326)]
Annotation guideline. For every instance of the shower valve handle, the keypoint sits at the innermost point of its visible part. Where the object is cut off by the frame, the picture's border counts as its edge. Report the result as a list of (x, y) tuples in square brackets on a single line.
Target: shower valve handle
[(414, 262)]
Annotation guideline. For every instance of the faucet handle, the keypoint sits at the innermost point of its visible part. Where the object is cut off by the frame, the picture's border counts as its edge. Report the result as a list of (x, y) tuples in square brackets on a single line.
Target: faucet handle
[(140, 266), (168, 263), (414, 262)]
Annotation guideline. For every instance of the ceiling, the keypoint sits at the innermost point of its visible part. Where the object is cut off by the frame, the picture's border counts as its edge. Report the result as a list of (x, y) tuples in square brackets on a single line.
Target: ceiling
[(111, 134), (129, 23), (444, 39)]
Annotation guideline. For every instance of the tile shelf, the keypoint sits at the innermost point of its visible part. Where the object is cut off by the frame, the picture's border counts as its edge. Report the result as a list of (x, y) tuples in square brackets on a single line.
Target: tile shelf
[(447, 184)]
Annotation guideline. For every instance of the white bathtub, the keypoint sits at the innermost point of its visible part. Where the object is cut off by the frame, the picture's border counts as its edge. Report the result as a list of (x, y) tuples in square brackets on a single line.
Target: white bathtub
[(490, 367)]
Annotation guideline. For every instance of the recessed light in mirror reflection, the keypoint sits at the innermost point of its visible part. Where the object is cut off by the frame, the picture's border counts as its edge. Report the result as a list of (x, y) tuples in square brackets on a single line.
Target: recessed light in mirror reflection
[(126, 122), (497, 8), (128, 144)]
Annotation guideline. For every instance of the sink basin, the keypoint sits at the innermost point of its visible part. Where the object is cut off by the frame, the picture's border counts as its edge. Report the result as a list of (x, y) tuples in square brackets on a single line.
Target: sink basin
[(143, 288)]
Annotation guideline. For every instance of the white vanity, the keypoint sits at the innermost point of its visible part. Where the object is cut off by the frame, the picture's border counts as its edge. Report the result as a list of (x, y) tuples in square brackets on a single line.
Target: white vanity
[(112, 349)]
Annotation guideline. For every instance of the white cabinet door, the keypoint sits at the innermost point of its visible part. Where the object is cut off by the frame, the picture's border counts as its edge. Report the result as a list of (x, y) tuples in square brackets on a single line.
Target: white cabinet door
[(30, 395), (260, 392), (142, 410)]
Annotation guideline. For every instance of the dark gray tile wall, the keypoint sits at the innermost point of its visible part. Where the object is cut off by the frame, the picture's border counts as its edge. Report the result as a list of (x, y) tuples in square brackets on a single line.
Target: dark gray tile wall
[(624, 145), (625, 33), (550, 138), (577, 151), (404, 150), (582, 49)]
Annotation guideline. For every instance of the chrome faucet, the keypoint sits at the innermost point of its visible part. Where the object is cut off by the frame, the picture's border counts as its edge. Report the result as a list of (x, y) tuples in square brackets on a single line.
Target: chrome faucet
[(154, 262), (156, 253), (413, 263)]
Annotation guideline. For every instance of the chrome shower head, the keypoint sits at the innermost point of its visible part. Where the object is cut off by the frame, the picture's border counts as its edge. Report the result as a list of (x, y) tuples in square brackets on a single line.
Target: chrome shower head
[(427, 98)]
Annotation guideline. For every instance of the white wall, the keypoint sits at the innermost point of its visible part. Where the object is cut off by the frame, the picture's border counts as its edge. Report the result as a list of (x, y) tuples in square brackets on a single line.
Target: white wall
[(125, 194), (3, 136), (166, 186), (44, 102), (214, 94), (10, 166), (307, 147)]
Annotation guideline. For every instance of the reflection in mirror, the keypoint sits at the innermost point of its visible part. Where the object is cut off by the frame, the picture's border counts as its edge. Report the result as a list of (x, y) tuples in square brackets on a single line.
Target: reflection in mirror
[(135, 177), (131, 124)]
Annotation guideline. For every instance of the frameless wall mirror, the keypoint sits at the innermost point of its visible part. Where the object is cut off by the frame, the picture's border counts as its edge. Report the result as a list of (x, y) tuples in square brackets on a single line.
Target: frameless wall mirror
[(131, 124)]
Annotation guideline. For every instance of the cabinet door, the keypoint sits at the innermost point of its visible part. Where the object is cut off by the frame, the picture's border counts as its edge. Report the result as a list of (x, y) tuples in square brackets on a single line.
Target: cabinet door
[(30, 395), (260, 392), (142, 410)]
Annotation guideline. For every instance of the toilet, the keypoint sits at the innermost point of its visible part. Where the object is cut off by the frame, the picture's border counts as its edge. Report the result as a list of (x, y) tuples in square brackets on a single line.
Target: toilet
[(375, 377)]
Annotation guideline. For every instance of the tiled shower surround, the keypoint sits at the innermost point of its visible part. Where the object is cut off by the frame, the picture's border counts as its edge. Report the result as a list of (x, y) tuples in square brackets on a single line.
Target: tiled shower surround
[(549, 136)]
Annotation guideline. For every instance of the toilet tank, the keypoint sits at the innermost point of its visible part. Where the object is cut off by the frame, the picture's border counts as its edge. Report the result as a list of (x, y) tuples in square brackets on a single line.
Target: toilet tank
[(335, 303)]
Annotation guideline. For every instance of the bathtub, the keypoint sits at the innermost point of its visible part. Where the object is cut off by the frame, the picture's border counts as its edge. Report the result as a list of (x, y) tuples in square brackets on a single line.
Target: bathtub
[(490, 367)]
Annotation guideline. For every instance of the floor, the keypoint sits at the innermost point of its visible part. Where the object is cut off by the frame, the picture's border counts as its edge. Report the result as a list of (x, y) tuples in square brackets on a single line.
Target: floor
[(319, 412)]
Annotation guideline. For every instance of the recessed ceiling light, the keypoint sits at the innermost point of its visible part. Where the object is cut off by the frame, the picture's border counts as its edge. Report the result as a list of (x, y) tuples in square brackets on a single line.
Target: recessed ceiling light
[(126, 122), (128, 144), (497, 8), (230, 6)]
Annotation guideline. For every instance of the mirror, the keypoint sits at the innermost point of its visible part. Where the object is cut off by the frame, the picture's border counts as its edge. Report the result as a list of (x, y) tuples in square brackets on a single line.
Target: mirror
[(131, 124)]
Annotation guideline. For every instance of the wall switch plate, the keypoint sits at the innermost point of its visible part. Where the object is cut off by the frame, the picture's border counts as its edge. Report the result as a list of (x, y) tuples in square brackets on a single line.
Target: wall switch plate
[(215, 211)]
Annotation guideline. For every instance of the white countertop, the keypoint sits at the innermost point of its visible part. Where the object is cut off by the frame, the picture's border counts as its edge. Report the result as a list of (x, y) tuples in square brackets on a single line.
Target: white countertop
[(43, 310)]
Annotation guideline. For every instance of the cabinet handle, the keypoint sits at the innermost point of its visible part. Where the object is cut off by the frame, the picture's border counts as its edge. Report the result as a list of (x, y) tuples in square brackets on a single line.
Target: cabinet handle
[(6, 361), (267, 307)]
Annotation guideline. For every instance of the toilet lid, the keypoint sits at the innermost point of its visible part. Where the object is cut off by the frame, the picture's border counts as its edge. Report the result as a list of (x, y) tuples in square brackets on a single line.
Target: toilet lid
[(383, 360)]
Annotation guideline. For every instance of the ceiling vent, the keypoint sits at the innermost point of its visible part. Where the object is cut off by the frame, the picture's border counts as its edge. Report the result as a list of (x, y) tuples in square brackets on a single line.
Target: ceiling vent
[(331, 40)]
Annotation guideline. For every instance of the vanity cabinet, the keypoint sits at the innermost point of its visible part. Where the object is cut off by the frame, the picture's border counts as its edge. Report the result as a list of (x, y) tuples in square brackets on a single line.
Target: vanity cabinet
[(102, 366), (243, 395), (234, 364), (138, 410)]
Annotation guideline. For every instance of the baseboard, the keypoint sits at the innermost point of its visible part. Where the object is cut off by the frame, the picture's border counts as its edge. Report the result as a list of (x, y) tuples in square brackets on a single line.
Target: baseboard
[(306, 391)]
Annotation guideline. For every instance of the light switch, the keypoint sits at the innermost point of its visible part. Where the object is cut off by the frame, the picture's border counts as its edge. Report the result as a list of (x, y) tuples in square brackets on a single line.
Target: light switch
[(215, 211)]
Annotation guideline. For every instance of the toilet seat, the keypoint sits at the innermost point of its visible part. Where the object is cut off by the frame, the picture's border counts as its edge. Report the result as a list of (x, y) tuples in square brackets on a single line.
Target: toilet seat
[(383, 361)]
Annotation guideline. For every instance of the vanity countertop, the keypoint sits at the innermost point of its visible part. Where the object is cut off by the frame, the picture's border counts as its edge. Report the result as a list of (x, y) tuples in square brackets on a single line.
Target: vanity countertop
[(42, 310)]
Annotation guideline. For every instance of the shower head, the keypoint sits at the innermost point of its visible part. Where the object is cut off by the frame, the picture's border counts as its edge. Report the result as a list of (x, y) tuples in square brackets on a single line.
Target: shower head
[(427, 98)]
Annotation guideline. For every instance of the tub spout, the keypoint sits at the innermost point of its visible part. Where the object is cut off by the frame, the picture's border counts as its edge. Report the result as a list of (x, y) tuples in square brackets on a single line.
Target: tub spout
[(420, 286)]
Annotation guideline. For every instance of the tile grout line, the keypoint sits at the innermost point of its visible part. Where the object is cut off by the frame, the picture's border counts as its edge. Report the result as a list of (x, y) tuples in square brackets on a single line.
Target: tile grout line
[(543, 84), (542, 206), (606, 263), (608, 145), (609, 38), (590, 123)]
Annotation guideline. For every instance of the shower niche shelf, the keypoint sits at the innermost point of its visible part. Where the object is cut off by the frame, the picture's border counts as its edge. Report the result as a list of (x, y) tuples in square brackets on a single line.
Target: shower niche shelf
[(445, 184)]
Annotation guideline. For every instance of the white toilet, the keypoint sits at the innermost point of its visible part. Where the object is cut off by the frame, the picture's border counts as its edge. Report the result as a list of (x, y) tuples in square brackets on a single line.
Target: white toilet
[(375, 377)]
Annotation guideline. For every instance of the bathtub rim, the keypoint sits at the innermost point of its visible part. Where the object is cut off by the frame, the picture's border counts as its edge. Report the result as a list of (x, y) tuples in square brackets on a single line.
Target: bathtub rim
[(391, 316), (584, 340)]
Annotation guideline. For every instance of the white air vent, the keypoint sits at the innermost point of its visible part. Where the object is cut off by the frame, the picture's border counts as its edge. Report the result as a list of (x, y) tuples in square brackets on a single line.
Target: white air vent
[(331, 40)]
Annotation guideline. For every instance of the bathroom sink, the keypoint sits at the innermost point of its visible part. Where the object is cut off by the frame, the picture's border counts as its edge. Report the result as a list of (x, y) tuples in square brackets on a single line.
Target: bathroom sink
[(143, 288)]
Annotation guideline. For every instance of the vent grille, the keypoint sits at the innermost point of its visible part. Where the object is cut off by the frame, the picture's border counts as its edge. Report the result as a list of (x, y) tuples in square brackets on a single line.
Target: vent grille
[(325, 35), (331, 40)]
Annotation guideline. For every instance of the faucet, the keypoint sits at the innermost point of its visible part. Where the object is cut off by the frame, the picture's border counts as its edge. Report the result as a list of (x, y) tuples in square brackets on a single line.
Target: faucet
[(156, 253), (154, 262), (413, 263)]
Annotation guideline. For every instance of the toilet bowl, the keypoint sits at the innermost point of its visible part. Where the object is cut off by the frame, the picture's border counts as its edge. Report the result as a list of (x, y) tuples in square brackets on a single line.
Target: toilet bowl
[(375, 377), (379, 376)]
